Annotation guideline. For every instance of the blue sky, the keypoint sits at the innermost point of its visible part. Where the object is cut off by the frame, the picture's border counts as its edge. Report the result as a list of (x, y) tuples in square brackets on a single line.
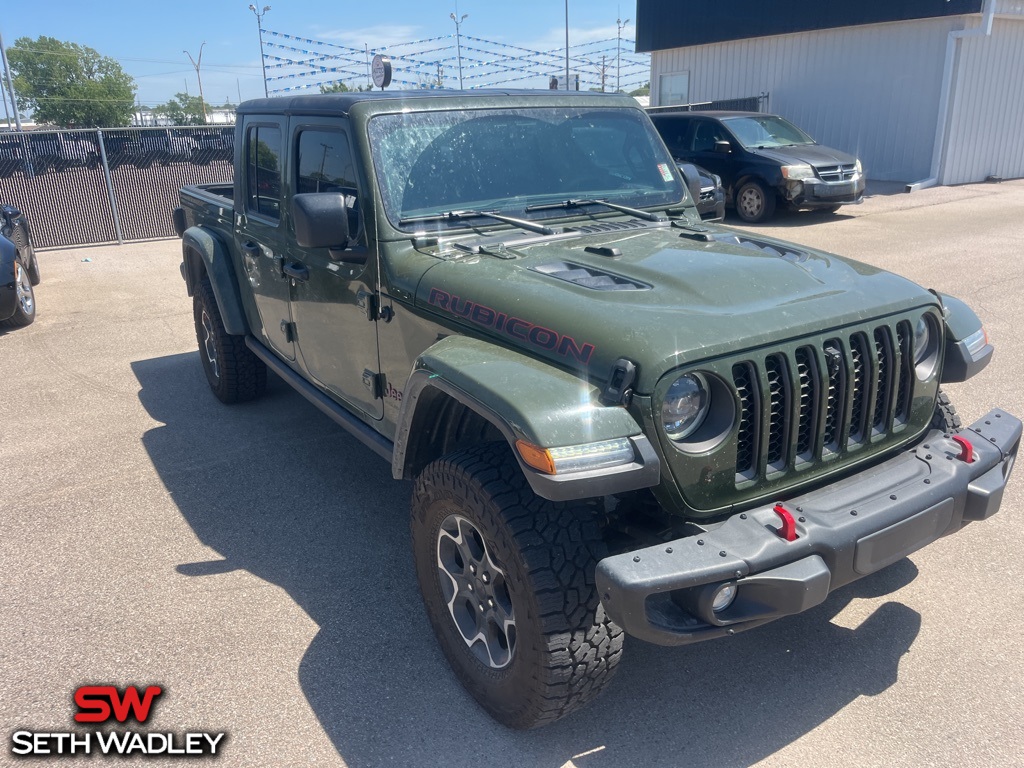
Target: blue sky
[(149, 39)]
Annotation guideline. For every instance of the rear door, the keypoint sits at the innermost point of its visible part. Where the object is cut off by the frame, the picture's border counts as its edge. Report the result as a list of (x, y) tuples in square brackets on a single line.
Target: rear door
[(333, 297), (259, 227)]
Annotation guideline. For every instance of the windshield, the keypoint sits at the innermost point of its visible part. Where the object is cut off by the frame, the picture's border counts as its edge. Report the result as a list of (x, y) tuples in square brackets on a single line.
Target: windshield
[(765, 131), (507, 160)]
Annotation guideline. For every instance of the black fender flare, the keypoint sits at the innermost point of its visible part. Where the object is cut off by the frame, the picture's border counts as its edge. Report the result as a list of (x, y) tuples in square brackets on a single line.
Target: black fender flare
[(205, 253)]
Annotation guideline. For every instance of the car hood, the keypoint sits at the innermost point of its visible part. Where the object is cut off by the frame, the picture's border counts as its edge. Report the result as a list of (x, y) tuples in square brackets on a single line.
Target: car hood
[(812, 154), (667, 300)]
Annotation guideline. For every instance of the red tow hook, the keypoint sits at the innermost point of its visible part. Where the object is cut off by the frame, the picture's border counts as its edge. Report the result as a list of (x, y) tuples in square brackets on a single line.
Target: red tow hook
[(966, 449), (788, 529)]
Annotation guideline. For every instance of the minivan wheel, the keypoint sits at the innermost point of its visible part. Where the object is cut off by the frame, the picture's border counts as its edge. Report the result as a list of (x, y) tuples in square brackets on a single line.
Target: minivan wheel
[(754, 202)]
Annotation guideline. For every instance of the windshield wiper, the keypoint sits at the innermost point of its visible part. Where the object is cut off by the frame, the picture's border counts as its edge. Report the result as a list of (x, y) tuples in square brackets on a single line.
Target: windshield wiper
[(568, 204), (529, 226)]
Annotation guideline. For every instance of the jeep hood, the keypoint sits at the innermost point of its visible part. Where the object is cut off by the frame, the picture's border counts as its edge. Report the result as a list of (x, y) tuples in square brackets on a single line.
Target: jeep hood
[(667, 300)]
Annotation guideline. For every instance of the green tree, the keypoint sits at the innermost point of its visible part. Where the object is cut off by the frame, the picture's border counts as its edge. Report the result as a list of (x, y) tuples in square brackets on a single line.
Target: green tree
[(644, 91), (70, 85), (183, 109), (338, 87)]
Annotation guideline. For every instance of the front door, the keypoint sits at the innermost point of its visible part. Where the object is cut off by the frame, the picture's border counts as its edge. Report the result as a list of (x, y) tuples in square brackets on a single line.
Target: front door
[(332, 297), (259, 230)]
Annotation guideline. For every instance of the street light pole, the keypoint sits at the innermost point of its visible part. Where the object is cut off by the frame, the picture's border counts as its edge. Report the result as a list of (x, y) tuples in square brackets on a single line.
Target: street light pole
[(567, 45), (259, 27), (10, 84), (618, 54), (198, 63), (458, 39)]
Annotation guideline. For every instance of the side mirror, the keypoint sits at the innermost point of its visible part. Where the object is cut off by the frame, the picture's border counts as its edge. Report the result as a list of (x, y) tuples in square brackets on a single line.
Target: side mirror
[(692, 177), (723, 147), (321, 220)]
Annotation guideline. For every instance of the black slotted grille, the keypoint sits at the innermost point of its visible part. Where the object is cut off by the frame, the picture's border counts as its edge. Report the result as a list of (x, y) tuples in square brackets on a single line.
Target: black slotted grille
[(841, 394), (859, 387), (745, 379), (836, 394), (775, 368), (883, 377), (905, 380), (806, 404)]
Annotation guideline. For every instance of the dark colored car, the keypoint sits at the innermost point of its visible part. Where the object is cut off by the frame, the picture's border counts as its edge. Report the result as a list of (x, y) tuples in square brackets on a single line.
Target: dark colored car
[(19, 270), (706, 190), (763, 160)]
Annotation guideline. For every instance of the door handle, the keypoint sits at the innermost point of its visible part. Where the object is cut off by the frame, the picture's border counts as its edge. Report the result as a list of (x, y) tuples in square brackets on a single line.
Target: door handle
[(296, 271)]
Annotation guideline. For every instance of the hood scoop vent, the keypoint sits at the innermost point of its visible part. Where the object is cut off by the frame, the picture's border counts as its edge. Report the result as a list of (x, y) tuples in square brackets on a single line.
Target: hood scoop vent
[(794, 255), (589, 277), (612, 226)]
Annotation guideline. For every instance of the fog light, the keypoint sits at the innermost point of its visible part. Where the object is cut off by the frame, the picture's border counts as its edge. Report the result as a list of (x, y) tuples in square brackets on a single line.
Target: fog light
[(723, 597)]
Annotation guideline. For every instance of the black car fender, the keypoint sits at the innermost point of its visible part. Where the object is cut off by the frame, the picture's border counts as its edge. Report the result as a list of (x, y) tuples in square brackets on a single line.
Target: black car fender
[(8, 294), (205, 253)]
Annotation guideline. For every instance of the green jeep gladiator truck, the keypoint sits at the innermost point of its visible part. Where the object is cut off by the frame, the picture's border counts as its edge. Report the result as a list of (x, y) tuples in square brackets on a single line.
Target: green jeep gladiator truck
[(618, 420)]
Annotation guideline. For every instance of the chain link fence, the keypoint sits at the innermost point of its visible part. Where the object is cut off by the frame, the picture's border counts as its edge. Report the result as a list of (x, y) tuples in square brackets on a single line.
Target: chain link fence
[(112, 185)]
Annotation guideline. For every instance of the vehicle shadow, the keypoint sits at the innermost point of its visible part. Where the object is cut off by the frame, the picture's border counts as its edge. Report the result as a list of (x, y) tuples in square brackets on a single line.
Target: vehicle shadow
[(280, 491)]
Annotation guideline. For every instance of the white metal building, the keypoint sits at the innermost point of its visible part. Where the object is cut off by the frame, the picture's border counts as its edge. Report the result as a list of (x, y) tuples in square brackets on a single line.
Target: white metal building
[(923, 91)]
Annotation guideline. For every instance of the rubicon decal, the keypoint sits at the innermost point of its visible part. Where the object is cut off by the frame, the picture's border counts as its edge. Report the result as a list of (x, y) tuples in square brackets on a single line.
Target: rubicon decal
[(516, 327), (100, 704)]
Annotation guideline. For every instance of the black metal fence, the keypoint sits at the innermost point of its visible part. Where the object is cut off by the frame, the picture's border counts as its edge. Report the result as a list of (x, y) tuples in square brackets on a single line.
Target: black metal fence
[(746, 104), (84, 187)]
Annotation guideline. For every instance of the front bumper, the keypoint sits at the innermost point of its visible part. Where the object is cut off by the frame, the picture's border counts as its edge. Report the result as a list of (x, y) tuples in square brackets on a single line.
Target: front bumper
[(814, 193), (850, 529), (711, 207)]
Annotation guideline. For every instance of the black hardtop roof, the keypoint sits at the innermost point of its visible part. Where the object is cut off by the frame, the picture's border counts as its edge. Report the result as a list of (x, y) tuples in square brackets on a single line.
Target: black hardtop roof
[(343, 102), (720, 114)]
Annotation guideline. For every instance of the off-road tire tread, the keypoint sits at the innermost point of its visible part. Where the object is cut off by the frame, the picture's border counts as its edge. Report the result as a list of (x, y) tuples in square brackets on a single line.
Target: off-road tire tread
[(560, 544), (945, 416), (243, 376)]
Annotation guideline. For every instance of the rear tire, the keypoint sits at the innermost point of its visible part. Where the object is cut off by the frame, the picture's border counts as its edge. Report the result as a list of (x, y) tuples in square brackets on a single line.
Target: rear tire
[(25, 299), (234, 373), (508, 583)]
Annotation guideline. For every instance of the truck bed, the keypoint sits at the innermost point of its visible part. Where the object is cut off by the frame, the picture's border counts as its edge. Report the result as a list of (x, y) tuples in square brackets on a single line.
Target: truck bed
[(209, 204)]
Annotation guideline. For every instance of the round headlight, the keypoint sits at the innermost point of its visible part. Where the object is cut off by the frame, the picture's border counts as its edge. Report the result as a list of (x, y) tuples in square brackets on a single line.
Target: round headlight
[(685, 406), (922, 339)]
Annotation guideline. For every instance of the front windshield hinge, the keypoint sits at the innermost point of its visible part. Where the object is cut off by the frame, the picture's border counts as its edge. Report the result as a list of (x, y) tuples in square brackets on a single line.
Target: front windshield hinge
[(619, 390)]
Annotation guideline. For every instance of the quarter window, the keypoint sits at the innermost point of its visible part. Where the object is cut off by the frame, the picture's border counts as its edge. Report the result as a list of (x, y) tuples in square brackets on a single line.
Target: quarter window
[(264, 170)]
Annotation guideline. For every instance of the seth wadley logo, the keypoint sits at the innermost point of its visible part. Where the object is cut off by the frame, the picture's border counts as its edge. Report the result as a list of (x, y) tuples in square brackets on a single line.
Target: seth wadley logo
[(102, 703)]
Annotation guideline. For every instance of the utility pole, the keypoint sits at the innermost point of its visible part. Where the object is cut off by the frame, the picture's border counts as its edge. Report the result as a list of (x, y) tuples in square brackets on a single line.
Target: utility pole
[(618, 53), (198, 63), (458, 37), (604, 69), (10, 84), (567, 45), (259, 27)]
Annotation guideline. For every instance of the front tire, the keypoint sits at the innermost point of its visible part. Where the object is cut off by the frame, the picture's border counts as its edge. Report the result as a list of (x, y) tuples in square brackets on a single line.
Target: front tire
[(234, 373), (508, 583), (754, 202), (945, 416)]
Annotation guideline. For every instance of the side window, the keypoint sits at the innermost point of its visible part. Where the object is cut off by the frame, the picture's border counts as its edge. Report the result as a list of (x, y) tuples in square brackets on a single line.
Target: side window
[(324, 164), (706, 135), (263, 166)]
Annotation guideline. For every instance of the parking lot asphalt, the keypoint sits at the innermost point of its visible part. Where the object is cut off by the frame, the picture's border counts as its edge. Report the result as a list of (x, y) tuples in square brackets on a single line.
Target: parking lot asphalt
[(254, 560)]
